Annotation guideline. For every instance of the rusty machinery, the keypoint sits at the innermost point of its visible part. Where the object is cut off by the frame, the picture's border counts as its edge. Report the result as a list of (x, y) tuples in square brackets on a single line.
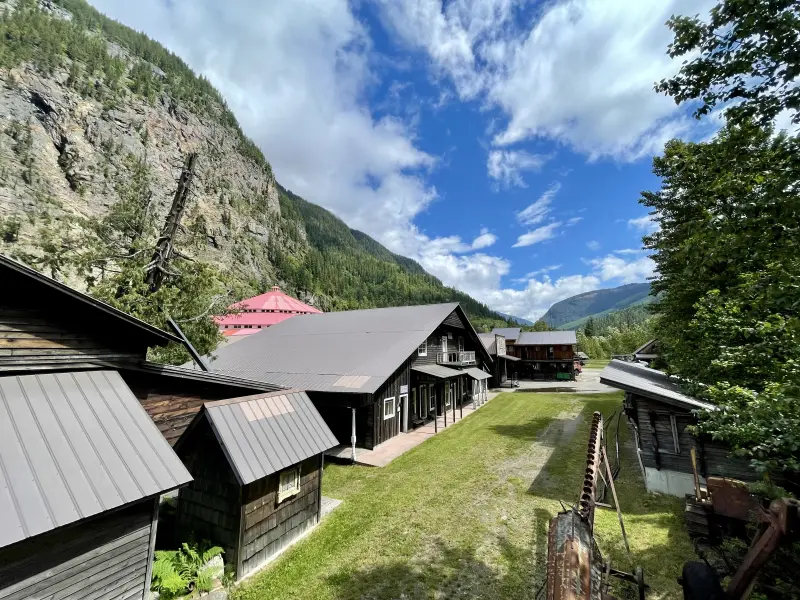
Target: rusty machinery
[(576, 569)]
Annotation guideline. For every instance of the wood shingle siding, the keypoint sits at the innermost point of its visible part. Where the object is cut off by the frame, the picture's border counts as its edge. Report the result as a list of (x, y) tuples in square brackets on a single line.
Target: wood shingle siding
[(270, 526), (105, 558)]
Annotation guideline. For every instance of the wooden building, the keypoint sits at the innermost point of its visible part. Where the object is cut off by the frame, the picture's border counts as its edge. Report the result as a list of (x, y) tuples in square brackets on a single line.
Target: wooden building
[(505, 367), (372, 374), (659, 414), (47, 326), (81, 470), (257, 466), (548, 354)]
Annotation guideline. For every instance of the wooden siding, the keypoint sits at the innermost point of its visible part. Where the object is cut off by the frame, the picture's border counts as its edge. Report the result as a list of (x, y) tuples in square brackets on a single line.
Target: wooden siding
[(454, 320), (172, 402), (35, 340), (269, 526), (208, 508), (384, 429), (654, 426), (103, 558), (560, 352)]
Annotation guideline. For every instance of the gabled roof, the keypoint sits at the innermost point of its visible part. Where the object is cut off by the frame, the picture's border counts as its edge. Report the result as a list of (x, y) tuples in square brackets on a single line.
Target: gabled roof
[(74, 445), (648, 347), (545, 338), (265, 433), (350, 351), (510, 333), (49, 293), (489, 342), (650, 383), (172, 371)]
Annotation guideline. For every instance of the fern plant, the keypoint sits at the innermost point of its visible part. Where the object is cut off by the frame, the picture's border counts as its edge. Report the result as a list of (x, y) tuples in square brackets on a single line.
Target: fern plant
[(183, 572)]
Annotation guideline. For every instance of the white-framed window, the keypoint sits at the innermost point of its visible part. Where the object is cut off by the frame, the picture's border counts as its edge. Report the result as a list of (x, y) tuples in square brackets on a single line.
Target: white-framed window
[(388, 408), (423, 349), (460, 344), (444, 344), (447, 393), (431, 398), (414, 405), (289, 484)]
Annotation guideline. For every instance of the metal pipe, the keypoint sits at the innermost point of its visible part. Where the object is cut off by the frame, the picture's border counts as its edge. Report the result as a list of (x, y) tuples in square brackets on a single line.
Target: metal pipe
[(353, 435)]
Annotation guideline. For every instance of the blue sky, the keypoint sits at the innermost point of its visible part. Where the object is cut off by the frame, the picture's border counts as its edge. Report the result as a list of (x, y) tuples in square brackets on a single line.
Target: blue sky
[(501, 143)]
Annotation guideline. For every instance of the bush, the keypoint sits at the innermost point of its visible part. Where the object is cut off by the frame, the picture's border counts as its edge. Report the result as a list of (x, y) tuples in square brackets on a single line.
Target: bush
[(183, 572)]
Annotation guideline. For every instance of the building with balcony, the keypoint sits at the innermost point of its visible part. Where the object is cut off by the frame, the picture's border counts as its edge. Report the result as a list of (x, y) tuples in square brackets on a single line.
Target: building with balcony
[(547, 354), (373, 373)]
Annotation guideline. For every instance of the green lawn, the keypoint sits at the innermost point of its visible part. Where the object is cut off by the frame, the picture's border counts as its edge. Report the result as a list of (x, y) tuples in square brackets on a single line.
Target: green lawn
[(465, 514), (597, 363)]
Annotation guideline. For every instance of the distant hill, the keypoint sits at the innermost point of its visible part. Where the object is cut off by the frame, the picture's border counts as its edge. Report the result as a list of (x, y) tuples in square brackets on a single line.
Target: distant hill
[(573, 312), (517, 320)]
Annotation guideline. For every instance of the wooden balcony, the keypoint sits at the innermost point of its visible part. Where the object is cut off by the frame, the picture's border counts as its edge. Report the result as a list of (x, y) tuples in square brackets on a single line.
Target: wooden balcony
[(459, 359)]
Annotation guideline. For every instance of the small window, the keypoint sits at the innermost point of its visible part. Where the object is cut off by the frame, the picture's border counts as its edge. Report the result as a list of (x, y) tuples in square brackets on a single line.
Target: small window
[(423, 349), (447, 394), (388, 408), (289, 484), (431, 398)]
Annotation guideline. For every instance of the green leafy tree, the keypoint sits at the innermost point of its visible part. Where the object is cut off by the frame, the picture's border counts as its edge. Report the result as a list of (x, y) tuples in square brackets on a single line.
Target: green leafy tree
[(743, 57), (729, 274)]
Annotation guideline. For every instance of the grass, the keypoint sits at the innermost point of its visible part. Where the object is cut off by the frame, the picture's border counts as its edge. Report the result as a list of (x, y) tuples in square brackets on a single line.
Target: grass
[(465, 515), (597, 363)]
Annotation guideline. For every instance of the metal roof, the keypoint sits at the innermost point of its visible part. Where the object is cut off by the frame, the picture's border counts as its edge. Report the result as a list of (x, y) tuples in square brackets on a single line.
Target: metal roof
[(476, 373), (545, 338), (42, 284), (73, 445), (350, 351), (437, 371), (510, 333), (265, 433), (250, 385), (644, 381), (489, 341), (508, 357)]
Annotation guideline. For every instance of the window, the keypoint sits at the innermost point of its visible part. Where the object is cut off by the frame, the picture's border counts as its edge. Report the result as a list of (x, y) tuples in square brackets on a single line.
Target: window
[(460, 344), (444, 344), (414, 405), (388, 408), (423, 349), (431, 398), (447, 391), (289, 484)]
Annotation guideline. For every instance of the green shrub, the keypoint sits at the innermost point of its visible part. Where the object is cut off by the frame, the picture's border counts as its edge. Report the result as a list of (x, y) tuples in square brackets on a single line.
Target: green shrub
[(183, 572)]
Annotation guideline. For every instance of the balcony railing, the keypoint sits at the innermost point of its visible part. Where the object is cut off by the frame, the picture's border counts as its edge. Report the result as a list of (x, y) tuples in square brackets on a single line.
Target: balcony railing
[(456, 358)]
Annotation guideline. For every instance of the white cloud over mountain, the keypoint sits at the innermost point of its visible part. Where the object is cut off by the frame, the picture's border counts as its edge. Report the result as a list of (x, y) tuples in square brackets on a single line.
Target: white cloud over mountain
[(297, 75)]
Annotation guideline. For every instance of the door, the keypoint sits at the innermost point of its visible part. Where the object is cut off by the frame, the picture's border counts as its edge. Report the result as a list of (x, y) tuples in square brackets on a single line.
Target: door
[(404, 413), (444, 348)]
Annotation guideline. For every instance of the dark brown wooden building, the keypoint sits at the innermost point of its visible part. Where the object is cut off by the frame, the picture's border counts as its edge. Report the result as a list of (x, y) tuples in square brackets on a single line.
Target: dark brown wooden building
[(547, 354), (81, 470), (372, 374), (659, 414), (46, 326), (257, 466), (505, 365)]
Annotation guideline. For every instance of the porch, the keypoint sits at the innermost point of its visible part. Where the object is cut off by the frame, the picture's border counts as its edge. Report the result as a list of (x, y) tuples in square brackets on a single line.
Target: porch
[(386, 452)]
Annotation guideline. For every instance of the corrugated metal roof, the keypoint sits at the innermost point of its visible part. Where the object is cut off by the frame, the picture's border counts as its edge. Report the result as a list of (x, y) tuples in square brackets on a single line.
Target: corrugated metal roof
[(248, 385), (265, 433), (437, 371), (642, 380), (508, 357), (476, 373), (510, 333), (73, 445), (544, 338), (489, 342), (314, 352), (154, 335)]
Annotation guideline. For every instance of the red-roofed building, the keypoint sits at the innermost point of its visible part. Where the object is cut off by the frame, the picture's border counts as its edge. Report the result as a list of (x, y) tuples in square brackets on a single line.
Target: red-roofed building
[(261, 312)]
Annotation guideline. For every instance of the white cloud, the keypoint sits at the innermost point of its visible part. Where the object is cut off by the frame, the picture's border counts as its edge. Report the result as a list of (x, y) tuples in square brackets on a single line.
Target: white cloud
[(538, 235), (630, 251), (536, 212), (644, 224), (574, 221), (582, 73), (593, 245), (539, 295), (484, 240), (614, 267), (506, 166)]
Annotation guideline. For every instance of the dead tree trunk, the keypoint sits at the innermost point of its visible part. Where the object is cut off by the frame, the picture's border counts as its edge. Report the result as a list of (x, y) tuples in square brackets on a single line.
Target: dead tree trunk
[(158, 268)]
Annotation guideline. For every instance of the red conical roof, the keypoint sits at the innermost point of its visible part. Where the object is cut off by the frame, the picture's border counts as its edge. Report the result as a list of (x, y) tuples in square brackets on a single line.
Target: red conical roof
[(268, 306)]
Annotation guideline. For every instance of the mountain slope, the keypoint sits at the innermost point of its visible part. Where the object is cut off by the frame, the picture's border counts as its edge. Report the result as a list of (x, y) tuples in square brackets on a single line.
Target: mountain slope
[(572, 312), (96, 113), (517, 320)]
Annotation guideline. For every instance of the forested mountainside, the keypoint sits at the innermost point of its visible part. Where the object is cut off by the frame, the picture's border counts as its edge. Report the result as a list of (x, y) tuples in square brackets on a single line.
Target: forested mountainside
[(573, 312), (98, 121)]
